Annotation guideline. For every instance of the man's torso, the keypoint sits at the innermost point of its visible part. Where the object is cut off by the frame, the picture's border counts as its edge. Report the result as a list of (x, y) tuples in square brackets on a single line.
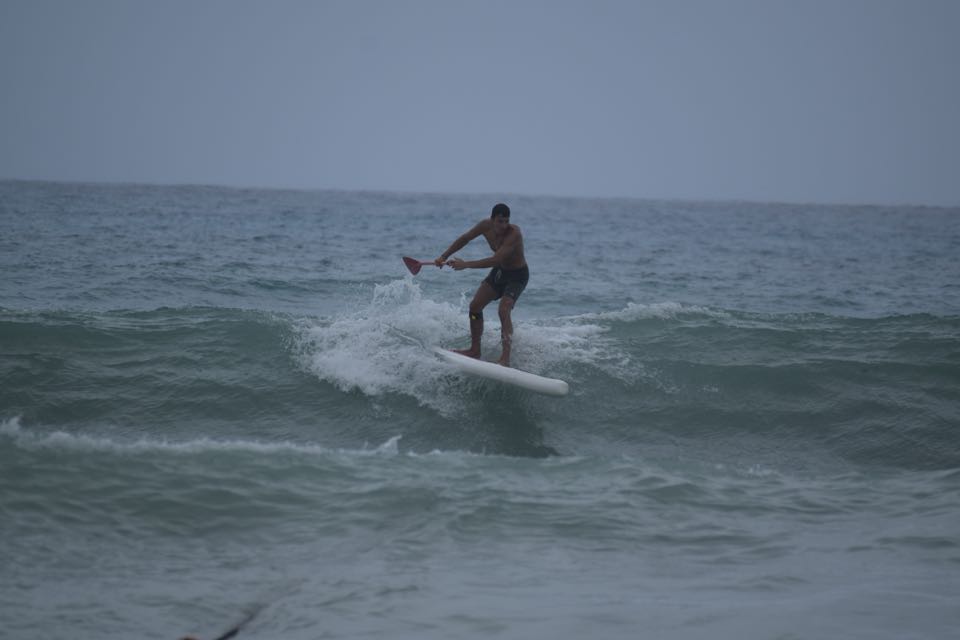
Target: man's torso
[(514, 258)]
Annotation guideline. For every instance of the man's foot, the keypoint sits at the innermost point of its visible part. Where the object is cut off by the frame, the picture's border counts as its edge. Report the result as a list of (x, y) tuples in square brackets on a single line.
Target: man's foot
[(504, 363), (470, 353)]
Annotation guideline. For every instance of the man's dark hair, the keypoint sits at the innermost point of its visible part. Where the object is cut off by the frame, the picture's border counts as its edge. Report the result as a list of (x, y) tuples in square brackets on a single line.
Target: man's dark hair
[(500, 209)]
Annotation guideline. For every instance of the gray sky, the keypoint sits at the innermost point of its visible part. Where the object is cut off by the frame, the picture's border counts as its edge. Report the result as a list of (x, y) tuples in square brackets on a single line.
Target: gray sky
[(802, 100)]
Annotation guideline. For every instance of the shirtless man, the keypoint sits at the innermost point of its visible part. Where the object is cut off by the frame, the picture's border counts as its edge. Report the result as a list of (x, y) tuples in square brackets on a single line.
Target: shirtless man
[(506, 280)]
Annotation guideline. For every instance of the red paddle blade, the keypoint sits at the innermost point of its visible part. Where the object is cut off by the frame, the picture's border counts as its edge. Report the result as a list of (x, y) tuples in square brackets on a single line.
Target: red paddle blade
[(413, 265)]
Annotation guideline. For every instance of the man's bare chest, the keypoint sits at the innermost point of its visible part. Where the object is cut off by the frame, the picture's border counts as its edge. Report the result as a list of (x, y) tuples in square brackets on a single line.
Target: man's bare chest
[(494, 240)]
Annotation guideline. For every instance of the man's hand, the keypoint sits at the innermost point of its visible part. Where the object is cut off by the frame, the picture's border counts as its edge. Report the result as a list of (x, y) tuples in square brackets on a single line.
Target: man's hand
[(458, 264), (440, 262)]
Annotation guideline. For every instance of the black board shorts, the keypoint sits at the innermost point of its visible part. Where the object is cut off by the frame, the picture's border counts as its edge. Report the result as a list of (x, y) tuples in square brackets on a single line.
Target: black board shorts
[(508, 282)]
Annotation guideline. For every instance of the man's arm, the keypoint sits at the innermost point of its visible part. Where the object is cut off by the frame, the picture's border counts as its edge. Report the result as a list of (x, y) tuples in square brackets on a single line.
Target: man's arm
[(461, 242), (509, 243)]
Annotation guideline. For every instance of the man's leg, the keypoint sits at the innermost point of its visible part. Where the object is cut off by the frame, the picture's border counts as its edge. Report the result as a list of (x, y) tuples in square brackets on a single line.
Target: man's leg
[(485, 293), (506, 328)]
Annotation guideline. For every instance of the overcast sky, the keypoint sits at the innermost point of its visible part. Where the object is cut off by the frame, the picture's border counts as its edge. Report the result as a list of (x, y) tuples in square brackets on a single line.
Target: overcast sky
[(800, 100)]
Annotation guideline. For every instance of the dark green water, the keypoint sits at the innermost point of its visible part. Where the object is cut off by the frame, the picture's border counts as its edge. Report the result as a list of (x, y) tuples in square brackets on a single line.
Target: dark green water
[(217, 401)]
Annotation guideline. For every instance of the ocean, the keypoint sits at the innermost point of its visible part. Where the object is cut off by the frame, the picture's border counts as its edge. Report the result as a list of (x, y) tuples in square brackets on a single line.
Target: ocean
[(219, 410)]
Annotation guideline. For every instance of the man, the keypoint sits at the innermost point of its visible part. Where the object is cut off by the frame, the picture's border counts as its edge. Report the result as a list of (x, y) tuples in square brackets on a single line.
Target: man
[(506, 281)]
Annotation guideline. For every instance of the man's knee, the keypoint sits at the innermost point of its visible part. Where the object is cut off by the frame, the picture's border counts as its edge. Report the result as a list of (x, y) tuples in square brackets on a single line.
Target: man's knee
[(476, 308)]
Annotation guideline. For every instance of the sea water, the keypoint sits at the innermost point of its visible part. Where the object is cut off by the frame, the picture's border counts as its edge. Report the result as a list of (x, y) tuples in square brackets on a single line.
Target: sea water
[(221, 403)]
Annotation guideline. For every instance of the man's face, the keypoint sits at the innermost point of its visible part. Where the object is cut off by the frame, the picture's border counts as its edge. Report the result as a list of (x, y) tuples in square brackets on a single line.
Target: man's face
[(500, 224)]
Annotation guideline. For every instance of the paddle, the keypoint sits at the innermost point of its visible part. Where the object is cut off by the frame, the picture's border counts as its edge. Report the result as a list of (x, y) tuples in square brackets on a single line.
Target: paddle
[(415, 265)]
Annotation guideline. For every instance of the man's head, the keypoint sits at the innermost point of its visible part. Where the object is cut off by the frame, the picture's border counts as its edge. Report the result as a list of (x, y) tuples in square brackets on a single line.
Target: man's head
[(500, 210)]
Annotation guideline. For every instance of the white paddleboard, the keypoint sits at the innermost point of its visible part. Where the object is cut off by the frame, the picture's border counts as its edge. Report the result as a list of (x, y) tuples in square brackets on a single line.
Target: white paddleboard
[(508, 375)]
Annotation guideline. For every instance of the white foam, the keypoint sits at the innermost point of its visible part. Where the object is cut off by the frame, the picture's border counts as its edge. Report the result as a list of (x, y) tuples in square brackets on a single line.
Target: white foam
[(384, 344), (61, 440), (657, 310), (10, 427)]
